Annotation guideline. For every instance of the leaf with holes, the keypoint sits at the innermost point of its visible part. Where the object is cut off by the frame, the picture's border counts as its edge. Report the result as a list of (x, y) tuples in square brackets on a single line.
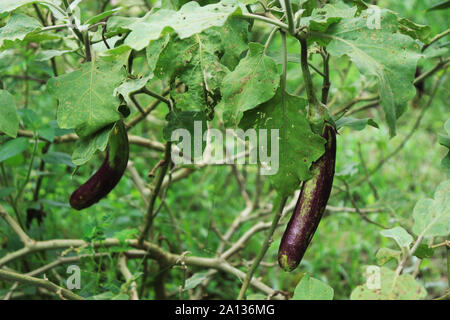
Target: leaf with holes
[(86, 96)]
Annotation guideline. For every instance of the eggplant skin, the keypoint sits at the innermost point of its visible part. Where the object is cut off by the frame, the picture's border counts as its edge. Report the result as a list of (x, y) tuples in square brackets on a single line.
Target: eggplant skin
[(310, 206), (108, 175)]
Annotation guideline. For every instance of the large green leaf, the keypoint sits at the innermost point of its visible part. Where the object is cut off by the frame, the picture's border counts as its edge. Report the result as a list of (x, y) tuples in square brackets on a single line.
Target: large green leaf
[(130, 86), (189, 20), (299, 147), (86, 147), (18, 27), (190, 121), (254, 81), (86, 99), (10, 5), (12, 148), (322, 18), (400, 235), (390, 287), (384, 53), (195, 63), (432, 216), (9, 122)]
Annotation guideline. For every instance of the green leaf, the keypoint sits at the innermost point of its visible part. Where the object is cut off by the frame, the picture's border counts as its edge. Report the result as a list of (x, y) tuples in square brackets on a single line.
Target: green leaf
[(384, 53), (322, 18), (9, 121), (46, 55), (390, 287), (254, 81), (189, 20), (13, 148), (130, 86), (234, 37), (312, 289), (30, 118), (195, 63), (186, 120), (299, 147), (400, 235), (414, 30), (4, 192), (445, 163), (356, 124), (126, 234), (195, 280), (440, 6), (384, 255), (432, 216), (18, 27), (349, 169), (86, 99), (47, 132), (424, 251), (86, 147), (102, 16), (445, 139), (54, 157), (10, 5), (154, 50)]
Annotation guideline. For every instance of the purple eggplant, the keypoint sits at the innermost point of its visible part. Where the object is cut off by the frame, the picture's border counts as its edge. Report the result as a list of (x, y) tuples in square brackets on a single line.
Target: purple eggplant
[(310, 206), (108, 175)]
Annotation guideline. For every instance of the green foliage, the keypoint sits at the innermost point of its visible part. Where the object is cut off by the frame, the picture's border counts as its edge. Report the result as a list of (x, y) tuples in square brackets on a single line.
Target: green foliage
[(312, 289), (392, 287), (299, 146), (58, 109)]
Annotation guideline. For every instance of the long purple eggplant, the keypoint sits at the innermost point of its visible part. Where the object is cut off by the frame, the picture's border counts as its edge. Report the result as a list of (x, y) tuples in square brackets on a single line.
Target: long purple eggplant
[(108, 175), (310, 206)]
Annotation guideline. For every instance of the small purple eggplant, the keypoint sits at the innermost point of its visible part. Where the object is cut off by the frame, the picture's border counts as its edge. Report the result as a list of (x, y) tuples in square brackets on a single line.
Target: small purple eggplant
[(310, 206), (108, 176)]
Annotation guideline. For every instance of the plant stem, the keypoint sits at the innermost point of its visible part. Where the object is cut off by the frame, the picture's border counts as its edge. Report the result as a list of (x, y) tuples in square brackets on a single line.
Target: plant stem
[(262, 252), (277, 23), (289, 15), (312, 100), (62, 292), (326, 79), (435, 38), (156, 96), (269, 39), (155, 193), (283, 87)]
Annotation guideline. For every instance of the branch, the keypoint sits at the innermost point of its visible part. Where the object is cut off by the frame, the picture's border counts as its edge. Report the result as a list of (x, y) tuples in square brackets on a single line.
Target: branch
[(72, 137), (146, 112), (435, 38), (159, 182), (274, 22), (60, 291), (15, 226), (128, 277), (151, 250), (262, 252), (406, 139)]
